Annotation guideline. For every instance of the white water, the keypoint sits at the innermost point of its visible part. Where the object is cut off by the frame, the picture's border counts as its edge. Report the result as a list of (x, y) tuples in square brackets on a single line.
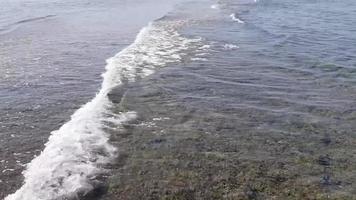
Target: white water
[(74, 153), (236, 19), (230, 47), (214, 6)]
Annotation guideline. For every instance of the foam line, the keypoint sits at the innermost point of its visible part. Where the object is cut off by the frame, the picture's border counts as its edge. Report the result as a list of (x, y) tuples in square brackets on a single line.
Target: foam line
[(74, 153)]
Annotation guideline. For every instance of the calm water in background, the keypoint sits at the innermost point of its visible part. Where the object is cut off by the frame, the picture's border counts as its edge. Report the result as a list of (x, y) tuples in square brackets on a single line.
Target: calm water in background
[(277, 88)]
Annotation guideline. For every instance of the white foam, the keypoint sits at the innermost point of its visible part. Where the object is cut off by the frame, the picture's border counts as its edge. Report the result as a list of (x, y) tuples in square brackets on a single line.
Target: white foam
[(160, 118), (214, 6), (198, 59), (236, 19), (230, 46), (8, 170), (73, 153)]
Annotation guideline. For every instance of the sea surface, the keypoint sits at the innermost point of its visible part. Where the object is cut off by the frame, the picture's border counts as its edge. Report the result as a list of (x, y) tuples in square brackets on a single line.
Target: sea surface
[(229, 99)]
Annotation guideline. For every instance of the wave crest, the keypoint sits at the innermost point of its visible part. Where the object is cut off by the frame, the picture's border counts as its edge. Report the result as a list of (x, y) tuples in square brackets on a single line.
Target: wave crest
[(74, 153)]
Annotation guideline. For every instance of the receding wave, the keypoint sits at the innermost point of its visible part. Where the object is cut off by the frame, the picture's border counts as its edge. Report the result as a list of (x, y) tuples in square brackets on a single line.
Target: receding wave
[(74, 153)]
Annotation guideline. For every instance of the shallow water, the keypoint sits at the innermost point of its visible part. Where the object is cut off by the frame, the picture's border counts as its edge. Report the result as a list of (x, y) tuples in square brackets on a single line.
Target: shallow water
[(52, 56), (254, 100), (268, 112)]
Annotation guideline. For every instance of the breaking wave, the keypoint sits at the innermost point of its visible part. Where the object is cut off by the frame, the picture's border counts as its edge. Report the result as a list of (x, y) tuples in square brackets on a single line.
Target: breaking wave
[(74, 153)]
